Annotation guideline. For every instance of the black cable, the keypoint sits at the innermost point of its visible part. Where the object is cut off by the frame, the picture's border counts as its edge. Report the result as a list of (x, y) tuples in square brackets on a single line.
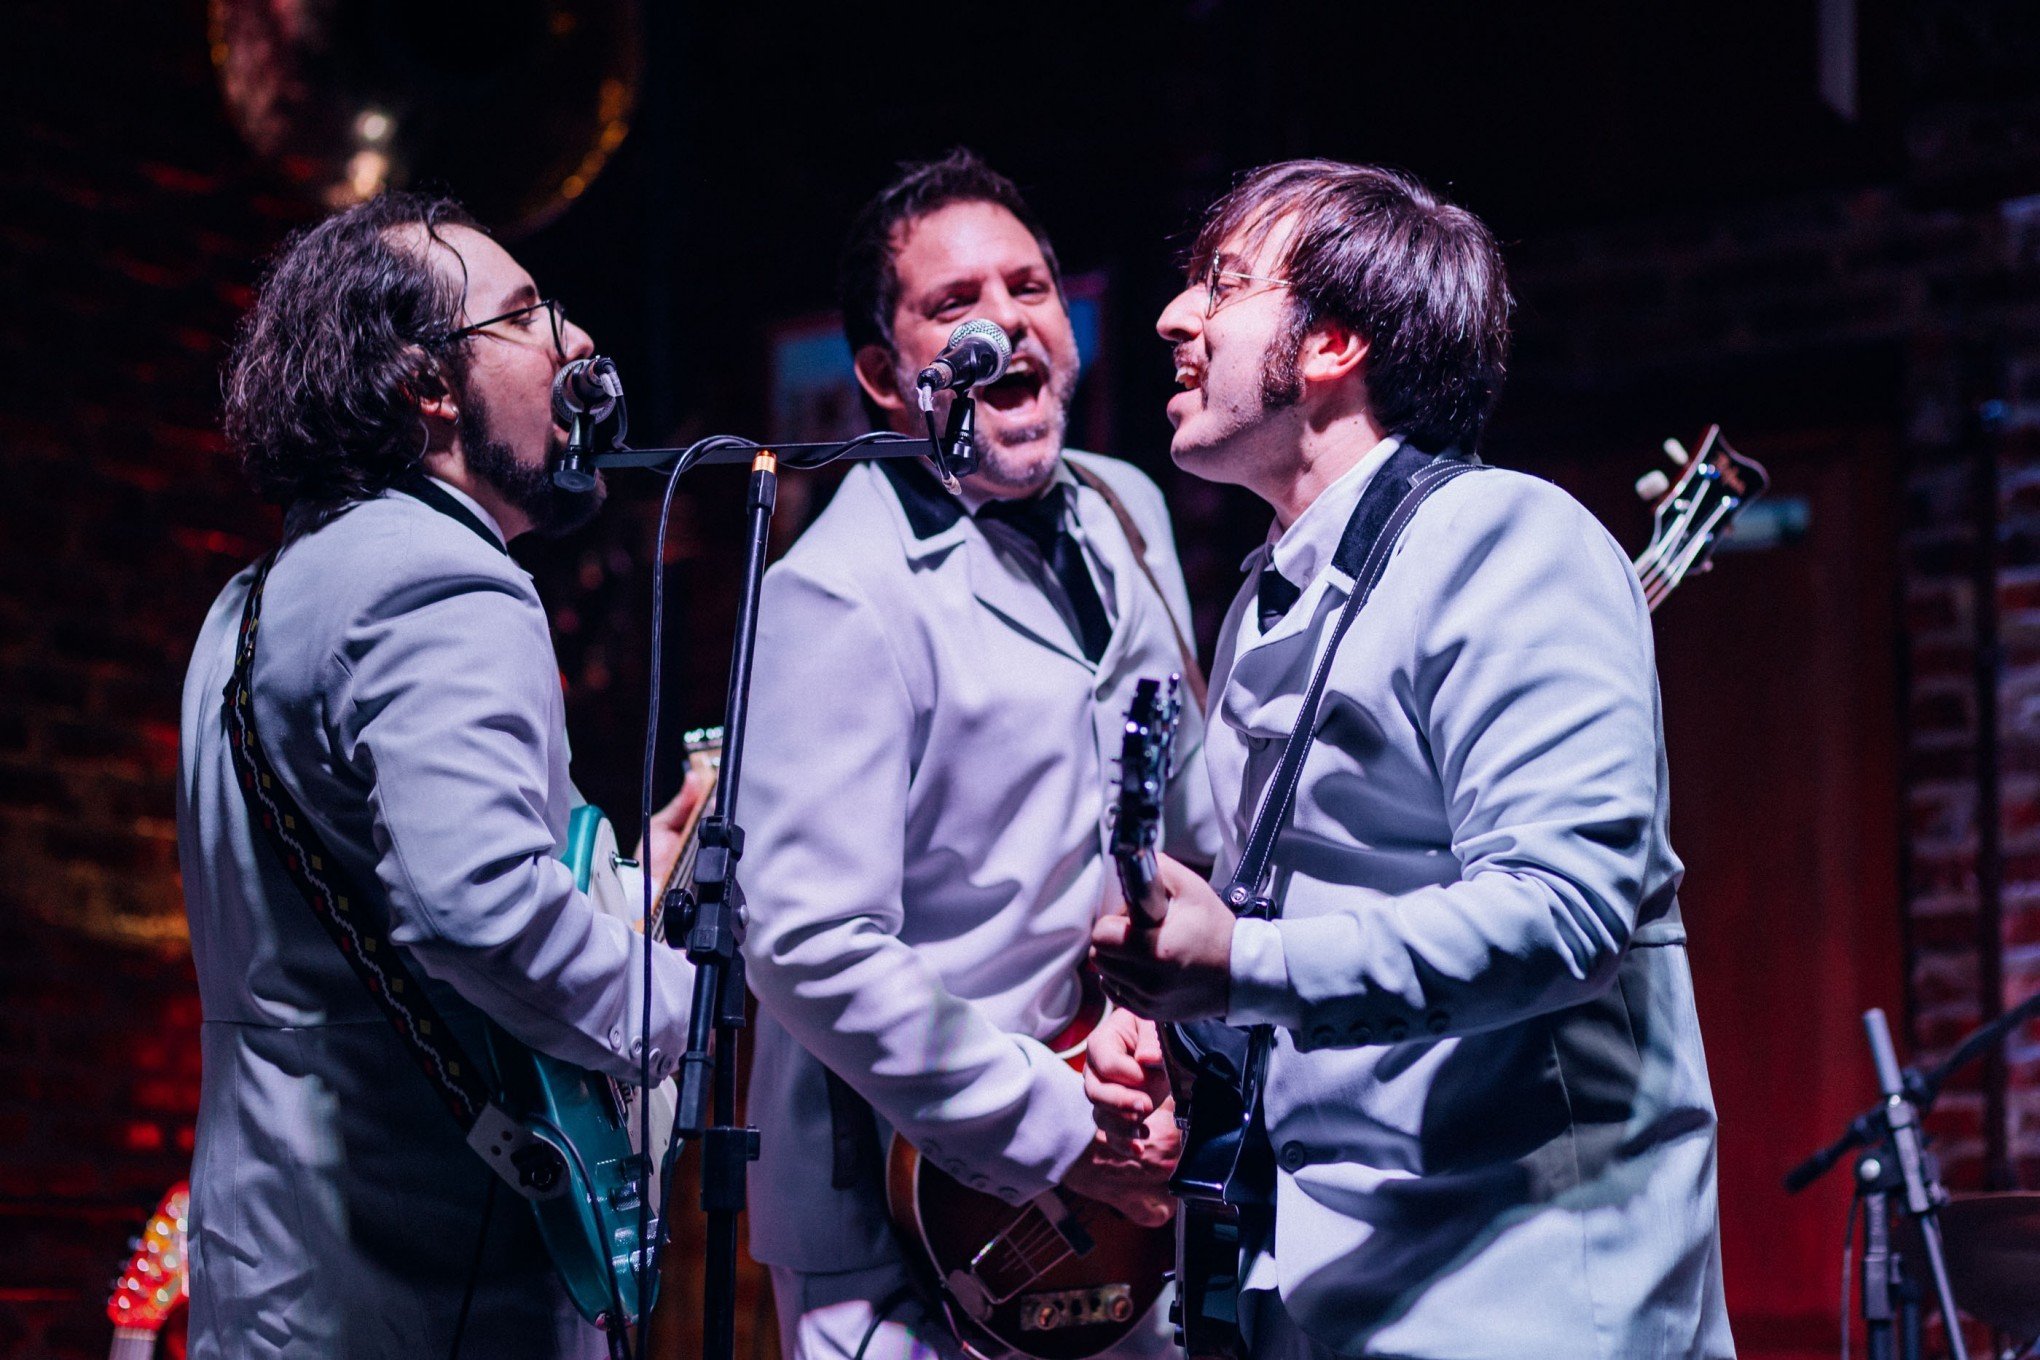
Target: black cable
[(648, 1250), (467, 1296), (619, 1324), (1848, 1262), (880, 1313)]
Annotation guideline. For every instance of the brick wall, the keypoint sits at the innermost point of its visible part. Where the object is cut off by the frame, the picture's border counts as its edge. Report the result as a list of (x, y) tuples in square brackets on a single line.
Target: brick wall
[(1946, 281), (127, 234)]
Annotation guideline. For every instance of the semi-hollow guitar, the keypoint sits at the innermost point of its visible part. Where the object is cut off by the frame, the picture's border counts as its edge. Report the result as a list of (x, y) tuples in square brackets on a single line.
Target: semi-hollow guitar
[(1057, 1278)]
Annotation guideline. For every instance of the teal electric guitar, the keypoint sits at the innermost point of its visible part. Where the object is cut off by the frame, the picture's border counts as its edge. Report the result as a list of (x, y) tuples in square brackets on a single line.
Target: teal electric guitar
[(589, 1214)]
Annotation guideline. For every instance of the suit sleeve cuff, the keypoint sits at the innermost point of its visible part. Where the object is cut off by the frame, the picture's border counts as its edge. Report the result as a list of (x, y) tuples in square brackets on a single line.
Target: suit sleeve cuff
[(1262, 993)]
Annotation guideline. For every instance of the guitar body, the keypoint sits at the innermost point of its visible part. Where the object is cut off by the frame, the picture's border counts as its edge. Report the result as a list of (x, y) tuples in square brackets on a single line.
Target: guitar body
[(1225, 1179), (1060, 1277), (589, 1218)]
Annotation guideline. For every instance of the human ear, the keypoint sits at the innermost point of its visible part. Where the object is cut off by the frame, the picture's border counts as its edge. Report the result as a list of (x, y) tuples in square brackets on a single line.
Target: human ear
[(428, 387), (1331, 351), (874, 368)]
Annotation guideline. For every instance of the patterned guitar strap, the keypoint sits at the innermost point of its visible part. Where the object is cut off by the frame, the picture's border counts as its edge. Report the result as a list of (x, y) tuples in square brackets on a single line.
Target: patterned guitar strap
[(531, 1166)]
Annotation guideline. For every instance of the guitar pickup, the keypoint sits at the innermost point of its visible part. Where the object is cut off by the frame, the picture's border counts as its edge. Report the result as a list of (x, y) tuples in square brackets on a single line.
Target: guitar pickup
[(623, 1197)]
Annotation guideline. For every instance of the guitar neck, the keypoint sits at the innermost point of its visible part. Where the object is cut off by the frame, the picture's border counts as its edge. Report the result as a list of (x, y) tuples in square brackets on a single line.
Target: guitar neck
[(682, 872), (1137, 872), (132, 1343)]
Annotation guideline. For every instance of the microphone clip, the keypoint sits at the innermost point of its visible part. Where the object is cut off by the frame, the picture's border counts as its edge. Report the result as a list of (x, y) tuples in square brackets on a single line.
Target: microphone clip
[(954, 451), (585, 393)]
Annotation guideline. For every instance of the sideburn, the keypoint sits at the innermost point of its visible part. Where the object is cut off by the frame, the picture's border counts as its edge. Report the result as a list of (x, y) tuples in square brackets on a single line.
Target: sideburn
[(1281, 382)]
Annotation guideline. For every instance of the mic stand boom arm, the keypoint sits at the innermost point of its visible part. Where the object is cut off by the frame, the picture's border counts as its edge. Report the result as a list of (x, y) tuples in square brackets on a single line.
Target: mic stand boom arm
[(1909, 1171), (956, 455)]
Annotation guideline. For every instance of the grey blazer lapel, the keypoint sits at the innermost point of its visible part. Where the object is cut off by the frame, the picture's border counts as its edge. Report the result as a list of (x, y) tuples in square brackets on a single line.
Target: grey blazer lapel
[(1003, 576)]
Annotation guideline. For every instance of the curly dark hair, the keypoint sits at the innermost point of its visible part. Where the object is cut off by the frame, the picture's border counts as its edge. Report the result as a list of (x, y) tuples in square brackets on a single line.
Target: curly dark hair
[(1422, 279), (347, 332), (868, 278)]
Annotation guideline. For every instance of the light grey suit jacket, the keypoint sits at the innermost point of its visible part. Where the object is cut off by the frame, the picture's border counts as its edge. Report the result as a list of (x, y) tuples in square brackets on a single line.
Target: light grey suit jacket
[(407, 694), (1487, 1096), (925, 778)]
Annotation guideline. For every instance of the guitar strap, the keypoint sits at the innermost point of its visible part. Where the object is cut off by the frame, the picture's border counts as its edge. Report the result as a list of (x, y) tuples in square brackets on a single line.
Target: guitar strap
[(1386, 507), (1364, 550), (342, 908), (1193, 674)]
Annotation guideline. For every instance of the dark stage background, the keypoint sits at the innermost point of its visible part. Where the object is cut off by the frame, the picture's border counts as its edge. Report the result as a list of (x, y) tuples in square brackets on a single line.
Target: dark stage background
[(1695, 234)]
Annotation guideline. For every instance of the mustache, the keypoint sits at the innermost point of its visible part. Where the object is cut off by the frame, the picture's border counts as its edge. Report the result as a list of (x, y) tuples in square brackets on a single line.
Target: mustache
[(1185, 356)]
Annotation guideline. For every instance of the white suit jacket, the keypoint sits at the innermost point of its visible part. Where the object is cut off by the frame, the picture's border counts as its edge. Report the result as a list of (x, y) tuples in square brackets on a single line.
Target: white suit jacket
[(925, 776), (407, 694), (1487, 1097)]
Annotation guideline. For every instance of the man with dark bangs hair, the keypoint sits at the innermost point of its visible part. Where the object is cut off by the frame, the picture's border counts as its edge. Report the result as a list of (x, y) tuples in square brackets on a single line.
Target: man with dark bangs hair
[(391, 390), (1487, 1107), (942, 679)]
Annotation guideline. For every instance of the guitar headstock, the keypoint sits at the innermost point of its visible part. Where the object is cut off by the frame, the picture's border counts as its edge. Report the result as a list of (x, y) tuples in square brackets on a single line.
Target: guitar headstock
[(153, 1283), (1694, 512), (1145, 750)]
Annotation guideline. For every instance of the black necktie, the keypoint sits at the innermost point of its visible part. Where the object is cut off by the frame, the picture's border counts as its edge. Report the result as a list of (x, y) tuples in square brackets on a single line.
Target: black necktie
[(1275, 596), (1040, 519)]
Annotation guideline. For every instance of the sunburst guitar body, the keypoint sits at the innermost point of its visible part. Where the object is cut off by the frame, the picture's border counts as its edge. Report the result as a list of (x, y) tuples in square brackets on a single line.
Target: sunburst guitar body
[(1059, 1277)]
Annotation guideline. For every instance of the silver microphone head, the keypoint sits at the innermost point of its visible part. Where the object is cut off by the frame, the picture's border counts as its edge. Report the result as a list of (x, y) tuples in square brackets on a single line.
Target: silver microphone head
[(992, 333)]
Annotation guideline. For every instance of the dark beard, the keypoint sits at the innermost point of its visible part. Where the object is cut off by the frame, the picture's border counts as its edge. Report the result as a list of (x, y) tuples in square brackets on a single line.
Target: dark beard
[(553, 512)]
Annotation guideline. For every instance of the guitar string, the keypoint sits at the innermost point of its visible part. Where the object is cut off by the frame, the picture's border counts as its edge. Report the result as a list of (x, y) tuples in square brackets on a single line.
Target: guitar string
[(1044, 1236), (1038, 1234)]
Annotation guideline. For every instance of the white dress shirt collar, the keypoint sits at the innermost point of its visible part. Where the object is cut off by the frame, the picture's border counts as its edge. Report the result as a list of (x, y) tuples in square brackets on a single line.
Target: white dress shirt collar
[(1303, 550)]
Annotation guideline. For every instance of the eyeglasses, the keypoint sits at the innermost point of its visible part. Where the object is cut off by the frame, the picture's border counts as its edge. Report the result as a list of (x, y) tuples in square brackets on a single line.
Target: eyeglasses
[(554, 308), (1218, 291)]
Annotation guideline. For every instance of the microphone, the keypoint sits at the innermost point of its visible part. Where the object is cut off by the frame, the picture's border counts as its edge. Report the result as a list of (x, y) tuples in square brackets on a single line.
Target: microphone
[(977, 354), (586, 388), (585, 392)]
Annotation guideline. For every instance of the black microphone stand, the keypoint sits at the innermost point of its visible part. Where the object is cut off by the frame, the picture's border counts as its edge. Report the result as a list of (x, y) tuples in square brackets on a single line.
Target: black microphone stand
[(712, 917), (1894, 1161)]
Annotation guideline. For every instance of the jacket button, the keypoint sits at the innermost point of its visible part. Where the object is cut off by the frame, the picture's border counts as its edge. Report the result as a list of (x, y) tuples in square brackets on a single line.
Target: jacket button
[(1320, 1035), (1361, 1030), (980, 1183), (1437, 1022), (1293, 1156), (1397, 1030)]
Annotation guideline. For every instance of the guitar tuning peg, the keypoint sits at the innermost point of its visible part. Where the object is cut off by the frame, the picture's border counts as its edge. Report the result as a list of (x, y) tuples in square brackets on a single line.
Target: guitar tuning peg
[(1653, 484), (1676, 451)]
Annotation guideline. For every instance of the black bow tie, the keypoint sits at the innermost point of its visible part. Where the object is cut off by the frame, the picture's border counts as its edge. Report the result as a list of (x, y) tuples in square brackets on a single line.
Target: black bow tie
[(1040, 520), (1274, 595)]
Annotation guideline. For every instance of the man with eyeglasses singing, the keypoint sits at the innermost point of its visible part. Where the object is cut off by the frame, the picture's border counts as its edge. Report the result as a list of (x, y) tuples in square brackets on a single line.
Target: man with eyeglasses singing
[(1452, 913), (391, 391)]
